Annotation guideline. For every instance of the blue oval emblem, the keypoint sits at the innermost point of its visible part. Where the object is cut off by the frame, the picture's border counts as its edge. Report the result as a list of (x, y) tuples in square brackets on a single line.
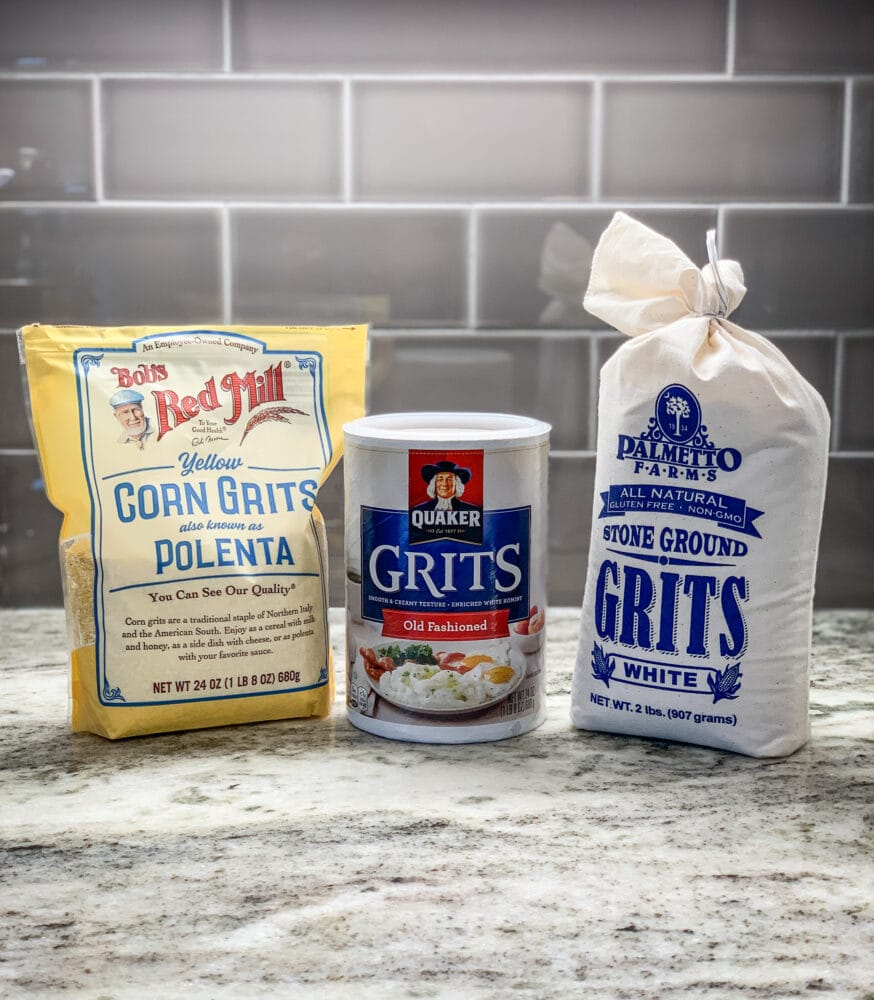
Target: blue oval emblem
[(678, 413)]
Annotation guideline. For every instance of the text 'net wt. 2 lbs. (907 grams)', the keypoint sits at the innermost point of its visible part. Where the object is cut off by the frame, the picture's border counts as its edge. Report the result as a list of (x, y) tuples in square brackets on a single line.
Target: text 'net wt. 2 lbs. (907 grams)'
[(186, 463), (709, 490)]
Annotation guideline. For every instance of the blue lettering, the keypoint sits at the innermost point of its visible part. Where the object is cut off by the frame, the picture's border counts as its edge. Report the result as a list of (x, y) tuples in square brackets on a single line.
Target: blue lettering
[(606, 604), (735, 642), (637, 598), (228, 500), (728, 459), (635, 609), (701, 589), (309, 488), (224, 557), (163, 554), (668, 615), (123, 507), (400, 571), (283, 553), (162, 500)]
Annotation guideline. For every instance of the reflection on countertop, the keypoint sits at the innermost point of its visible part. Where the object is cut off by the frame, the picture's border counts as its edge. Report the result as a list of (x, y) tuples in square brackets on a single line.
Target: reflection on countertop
[(310, 859)]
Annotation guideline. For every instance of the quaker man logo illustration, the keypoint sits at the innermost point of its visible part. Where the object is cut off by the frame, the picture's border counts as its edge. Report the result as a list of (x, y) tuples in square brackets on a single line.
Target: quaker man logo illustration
[(437, 486), (127, 406)]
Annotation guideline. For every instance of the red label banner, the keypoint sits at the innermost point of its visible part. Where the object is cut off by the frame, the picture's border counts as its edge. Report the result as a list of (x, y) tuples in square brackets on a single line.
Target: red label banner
[(463, 626)]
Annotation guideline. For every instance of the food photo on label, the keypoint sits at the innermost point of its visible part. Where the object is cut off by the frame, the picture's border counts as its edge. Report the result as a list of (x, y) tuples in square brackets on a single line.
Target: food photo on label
[(193, 554), (446, 575), (418, 678)]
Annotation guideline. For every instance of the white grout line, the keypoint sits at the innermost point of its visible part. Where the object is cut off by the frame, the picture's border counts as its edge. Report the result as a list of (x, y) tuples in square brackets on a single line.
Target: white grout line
[(342, 206), (403, 78), (97, 139), (570, 453), (730, 37), (596, 139), (472, 268), (227, 52), (837, 392), (499, 334), (346, 139), (108, 204), (479, 206), (563, 454), (798, 334), (594, 385), (494, 334), (559, 453), (227, 281), (847, 141), (546, 207)]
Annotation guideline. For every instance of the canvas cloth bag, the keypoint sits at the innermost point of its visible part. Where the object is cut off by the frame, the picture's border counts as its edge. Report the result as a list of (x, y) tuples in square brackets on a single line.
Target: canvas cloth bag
[(709, 489)]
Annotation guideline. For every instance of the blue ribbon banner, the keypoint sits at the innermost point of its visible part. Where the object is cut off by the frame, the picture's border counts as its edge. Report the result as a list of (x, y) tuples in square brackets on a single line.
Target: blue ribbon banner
[(718, 508)]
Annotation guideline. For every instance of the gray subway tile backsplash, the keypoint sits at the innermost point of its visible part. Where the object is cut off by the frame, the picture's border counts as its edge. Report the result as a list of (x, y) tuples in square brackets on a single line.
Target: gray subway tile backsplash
[(392, 267), (804, 36), (738, 140), (443, 172), (856, 431), (489, 36), (83, 35), (571, 489), (807, 268), (222, 139), (513, 140), (861, 167), (109, 265), (332, 509), (844, 577), (607, 346), (29, 526), (534, 263), (46, 139), (814, 358), (546, 378), (14, 428)]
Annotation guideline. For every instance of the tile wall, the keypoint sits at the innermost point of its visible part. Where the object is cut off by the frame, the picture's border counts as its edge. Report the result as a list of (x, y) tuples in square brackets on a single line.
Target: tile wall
[(442, 171)]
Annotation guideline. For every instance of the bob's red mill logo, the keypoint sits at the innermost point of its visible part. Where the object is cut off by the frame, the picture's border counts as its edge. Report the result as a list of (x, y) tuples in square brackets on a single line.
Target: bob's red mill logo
[(445, 497), (240, 393)]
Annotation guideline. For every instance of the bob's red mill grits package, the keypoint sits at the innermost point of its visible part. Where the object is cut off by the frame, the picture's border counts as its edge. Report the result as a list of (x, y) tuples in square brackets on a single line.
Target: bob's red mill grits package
[(709, 490), (186, 463)]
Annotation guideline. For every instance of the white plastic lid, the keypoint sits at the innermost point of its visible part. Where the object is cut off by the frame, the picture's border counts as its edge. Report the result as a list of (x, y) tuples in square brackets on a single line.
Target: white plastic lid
[(411, 430)]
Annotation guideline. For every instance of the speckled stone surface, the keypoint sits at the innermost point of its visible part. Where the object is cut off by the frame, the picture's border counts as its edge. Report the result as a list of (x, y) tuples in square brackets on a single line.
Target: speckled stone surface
[(308, 859)]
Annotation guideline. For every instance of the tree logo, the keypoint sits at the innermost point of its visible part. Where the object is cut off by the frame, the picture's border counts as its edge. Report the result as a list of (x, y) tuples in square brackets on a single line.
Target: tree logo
[(678, 413)]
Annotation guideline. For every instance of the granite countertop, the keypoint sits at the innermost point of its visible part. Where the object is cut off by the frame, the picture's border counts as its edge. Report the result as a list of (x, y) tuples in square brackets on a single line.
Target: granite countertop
[(309, 859)]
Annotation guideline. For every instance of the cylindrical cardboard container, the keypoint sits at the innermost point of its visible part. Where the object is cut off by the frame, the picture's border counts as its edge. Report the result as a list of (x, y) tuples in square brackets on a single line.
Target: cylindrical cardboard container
[(446, 517)]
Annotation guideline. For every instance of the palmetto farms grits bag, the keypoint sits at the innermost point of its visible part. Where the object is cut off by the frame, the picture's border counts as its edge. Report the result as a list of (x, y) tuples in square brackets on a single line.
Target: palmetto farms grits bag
[(709, 488), (186, 463)]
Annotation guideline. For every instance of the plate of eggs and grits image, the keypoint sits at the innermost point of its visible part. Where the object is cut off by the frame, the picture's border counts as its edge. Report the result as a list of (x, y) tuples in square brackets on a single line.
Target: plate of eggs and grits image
[(419, 678)]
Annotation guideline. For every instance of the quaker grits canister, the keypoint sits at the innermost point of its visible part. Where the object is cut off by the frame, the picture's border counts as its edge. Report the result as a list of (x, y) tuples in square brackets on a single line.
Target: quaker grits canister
[(446, 575)]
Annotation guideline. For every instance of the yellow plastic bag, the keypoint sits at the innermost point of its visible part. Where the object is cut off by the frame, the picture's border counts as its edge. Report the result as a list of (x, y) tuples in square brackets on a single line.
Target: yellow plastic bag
[(186, 463)]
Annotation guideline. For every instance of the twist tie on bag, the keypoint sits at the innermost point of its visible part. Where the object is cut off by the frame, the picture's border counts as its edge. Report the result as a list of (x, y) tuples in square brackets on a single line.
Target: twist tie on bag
[(713, 257)]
